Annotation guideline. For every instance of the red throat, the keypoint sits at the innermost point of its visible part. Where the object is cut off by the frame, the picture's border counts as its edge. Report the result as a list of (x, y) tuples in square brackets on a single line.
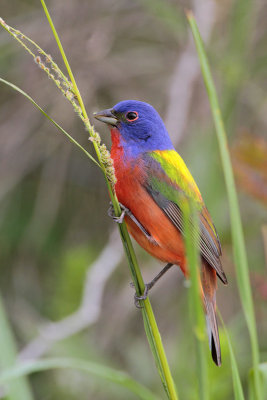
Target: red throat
[(116, 148), (115, 136)]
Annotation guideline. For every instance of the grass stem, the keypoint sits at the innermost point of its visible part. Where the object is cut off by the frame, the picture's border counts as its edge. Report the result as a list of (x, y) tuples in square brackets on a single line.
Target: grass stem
[(151, 327), (239, 248)]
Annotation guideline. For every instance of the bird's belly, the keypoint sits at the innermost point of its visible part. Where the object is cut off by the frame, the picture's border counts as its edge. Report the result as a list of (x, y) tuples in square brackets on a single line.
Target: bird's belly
[(167, 243)]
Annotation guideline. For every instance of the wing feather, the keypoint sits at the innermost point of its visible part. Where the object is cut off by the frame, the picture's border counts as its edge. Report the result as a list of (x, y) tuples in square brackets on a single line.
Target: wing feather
[(166, 193)]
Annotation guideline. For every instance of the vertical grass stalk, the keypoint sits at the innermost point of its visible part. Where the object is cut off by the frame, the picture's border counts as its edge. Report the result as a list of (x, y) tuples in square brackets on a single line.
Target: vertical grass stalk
[(149, 320), (238, 390), (151, 328), (239, 249)]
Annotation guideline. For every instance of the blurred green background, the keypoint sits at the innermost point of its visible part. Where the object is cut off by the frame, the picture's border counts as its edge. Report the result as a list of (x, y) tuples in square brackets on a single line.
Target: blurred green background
[(64, 278)]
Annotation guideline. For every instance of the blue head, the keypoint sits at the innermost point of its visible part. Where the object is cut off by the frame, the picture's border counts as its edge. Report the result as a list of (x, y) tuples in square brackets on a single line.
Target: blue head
[(139, 124)]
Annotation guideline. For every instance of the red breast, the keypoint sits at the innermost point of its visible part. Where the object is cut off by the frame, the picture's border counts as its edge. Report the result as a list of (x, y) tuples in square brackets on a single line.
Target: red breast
[(130, 174)]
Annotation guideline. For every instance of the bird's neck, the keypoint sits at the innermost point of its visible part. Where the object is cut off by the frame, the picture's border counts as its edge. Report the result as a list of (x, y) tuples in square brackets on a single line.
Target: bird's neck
[(128, 168), (125, 161), (117, 150), (124, 153)]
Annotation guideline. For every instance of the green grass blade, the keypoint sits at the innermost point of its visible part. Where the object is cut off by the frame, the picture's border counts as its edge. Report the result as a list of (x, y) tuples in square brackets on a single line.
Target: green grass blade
[(156, 346), (240, 256), (50, 119), (191, 230), (238, 390), (150, 323), (106, 165), (148, 315), (75, 87), (19, 389), (101, 371)]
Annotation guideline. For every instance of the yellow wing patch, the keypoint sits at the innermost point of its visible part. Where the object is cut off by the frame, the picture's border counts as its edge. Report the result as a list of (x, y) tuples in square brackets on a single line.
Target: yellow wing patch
[(175, 167)]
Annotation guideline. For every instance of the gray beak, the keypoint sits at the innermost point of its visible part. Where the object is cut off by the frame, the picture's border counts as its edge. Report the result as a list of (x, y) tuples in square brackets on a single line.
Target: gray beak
[(106, 116)]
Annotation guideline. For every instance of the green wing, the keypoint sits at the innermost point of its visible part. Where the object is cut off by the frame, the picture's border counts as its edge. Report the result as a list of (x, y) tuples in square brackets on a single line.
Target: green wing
[(169, 182)]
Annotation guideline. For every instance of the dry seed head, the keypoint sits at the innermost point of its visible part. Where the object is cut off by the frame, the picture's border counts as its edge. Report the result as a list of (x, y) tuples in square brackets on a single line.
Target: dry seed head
[(66, 87), (111, 175), (37, 59), (77, 108), (69, 95), (95, 139), (48, 58), (103, 149)]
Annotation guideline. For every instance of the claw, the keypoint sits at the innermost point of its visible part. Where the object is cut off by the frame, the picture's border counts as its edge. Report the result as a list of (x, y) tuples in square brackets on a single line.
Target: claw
[(142, 297), (111, 213), (136, 303), (126, 211)]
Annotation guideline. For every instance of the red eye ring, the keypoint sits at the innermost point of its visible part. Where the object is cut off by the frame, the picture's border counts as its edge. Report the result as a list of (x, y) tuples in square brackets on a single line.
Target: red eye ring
[(132, 116)]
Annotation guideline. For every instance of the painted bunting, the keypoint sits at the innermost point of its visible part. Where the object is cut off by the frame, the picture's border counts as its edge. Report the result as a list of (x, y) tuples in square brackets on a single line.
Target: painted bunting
[(152, 180)]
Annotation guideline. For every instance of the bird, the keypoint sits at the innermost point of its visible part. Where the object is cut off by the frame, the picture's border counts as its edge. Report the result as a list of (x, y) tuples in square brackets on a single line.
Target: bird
[(152, 180)]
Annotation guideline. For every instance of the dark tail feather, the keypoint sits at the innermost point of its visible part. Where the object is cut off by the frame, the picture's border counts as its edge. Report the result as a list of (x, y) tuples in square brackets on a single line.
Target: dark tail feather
[(209, 286)]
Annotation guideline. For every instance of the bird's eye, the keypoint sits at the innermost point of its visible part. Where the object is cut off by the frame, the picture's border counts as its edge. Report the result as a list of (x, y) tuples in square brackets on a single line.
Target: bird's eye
[(132, 116)]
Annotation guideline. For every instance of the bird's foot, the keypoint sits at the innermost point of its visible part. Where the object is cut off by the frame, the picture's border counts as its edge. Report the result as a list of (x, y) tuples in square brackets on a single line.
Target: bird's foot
[(124, 211), (137, 298), (149, 285)]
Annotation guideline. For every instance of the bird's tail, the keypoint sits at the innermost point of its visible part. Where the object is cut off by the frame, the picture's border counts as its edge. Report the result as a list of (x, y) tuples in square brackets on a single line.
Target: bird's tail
[(209, 286)]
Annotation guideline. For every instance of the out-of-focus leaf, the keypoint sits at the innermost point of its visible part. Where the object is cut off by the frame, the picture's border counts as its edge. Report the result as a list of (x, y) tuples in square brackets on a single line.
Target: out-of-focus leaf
[(250, 166), (95, 369), (19, 389), (264, 235), (259, 279)]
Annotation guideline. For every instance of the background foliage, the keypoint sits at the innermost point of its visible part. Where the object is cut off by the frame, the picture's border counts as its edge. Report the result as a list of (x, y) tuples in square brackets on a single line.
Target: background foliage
[(53, 221)]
